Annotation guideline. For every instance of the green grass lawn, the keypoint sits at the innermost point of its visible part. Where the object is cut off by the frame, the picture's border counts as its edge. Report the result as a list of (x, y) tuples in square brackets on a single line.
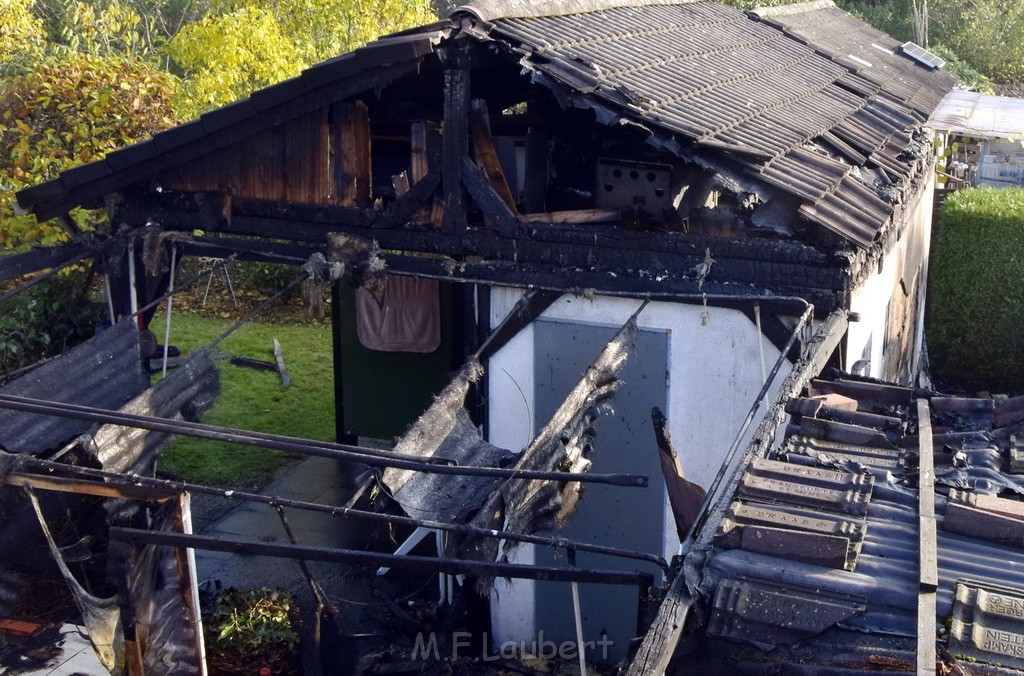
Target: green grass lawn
[(255, 400)]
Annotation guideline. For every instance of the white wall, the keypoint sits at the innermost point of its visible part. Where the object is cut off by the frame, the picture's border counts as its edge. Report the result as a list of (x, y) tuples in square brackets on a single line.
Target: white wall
[(871, 299), (715, 375)]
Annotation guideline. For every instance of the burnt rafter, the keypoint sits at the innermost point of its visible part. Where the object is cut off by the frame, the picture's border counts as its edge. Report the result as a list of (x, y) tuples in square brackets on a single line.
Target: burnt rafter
[(483, 193), (399, 212)]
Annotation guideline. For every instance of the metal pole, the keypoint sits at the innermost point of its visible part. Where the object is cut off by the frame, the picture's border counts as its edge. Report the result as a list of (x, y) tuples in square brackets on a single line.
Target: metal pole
[(376, 517), (424, 564), (133, 298), (760, 340), (170, 301), (110, 298), (580, 645), (699, 521), (366, 456)]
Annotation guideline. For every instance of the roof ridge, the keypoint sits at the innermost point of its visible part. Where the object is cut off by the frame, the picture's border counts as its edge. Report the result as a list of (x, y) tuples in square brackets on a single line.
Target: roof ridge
[(492, 10), (790, 10)]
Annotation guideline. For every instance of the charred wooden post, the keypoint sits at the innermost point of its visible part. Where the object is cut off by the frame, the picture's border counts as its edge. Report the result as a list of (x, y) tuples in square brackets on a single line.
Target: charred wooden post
[(353, 174), (535, 192), (455, 134), (341, 435)]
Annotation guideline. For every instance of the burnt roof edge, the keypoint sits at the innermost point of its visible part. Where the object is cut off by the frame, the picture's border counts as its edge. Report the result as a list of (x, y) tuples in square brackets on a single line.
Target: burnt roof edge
[(492, 10), (790, 10)]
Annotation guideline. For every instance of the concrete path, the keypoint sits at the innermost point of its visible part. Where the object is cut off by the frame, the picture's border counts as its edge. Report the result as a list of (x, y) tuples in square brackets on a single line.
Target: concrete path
[(318, 480)]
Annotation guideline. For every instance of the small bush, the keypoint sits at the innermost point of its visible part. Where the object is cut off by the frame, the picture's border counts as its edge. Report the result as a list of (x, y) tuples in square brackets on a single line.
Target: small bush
[(248, 631), (976, 300), (46, 319)]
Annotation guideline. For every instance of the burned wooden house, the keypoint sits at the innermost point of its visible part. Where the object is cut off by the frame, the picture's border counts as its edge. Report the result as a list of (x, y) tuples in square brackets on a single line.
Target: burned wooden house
[(745, 192)]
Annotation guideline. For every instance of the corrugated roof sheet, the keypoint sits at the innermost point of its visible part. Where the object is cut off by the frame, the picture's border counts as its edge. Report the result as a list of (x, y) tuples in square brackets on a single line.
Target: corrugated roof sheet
[(104, 371), (974, 114), (800, 540), (763, 89)]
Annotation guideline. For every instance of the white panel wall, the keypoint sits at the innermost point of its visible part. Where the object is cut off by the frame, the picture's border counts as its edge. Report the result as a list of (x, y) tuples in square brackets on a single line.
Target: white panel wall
[(871, 299), (715, 376)]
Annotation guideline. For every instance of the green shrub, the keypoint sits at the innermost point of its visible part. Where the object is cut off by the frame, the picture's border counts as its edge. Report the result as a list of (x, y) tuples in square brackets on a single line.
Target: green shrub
[(46, 319), (976, 300), (247, 631)]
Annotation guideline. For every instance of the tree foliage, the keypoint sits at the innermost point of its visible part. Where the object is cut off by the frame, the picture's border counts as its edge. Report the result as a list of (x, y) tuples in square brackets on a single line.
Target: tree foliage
[(975, 306), (22, 38), (987, 34), (66, 112), (229, 55), (252, 44)]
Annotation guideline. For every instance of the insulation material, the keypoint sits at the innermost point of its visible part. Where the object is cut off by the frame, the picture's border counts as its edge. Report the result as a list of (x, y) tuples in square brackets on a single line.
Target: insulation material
[(528, 506), (104, 371), (407, 319), (453, 498)]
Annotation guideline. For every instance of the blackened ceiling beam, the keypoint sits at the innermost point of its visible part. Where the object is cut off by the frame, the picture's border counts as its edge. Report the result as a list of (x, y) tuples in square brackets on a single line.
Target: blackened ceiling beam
[(16, 265), (488, 200)]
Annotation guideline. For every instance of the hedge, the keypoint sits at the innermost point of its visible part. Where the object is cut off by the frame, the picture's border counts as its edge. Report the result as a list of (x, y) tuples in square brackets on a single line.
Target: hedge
[(975, 323)]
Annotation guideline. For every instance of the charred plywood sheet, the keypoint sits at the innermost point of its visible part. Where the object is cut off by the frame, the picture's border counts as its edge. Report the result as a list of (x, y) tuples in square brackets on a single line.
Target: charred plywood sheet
[(104, 372), (988, 623), (768, 614)]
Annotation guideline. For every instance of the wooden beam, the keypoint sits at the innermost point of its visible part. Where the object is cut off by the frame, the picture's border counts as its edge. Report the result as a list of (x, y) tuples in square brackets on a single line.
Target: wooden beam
[(405, 208), (426, 148), (577, 216), (494, 207), (928, 566), (96, 488), (487, 155), (529, 308), (19, 264), (353, 171), (455, 138)]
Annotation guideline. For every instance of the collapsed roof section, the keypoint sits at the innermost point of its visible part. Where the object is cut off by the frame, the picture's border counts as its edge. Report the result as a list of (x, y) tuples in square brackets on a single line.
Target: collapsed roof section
[(889, 520), (790, 99)]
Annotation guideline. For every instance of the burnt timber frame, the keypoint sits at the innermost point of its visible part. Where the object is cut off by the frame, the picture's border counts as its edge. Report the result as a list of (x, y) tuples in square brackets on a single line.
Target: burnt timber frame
[(603, 258)]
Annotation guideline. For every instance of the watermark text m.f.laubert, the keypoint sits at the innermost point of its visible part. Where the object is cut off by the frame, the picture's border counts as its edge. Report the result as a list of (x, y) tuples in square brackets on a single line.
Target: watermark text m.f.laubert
[(427, 647)]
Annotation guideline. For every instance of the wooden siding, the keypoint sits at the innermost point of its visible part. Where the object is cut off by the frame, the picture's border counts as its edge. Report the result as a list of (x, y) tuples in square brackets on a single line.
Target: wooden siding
[(290, 162)]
